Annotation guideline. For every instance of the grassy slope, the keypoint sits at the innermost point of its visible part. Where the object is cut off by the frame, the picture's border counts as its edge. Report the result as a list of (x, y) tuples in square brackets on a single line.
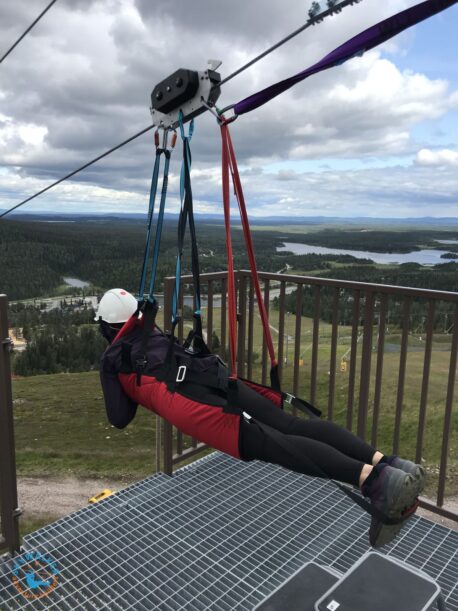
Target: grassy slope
[(61, 428)]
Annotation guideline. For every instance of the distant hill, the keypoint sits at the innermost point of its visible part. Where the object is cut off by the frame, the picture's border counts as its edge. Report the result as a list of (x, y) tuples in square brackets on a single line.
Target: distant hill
[(50, 217)]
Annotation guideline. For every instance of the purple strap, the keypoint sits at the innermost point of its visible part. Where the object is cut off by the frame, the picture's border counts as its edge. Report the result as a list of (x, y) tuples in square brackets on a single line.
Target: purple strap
[(357, 45)]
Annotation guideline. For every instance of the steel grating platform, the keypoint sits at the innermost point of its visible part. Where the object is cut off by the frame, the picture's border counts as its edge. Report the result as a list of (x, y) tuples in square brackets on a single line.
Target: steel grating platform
[(219, 535)]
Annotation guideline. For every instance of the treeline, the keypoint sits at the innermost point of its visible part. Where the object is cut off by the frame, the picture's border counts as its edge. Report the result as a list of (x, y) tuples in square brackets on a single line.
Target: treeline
[(379, 241), (441, 277), (35, 256), (58, 341)]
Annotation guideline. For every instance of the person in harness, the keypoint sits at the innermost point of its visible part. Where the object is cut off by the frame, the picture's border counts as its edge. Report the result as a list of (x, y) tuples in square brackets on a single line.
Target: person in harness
[(246, 421)]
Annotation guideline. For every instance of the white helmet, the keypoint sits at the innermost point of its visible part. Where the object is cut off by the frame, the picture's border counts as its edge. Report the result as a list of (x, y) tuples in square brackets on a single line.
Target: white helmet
[(117, 305)]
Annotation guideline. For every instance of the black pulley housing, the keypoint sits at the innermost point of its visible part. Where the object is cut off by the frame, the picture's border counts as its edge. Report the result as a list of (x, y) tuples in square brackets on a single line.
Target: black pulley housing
[(175, 90)]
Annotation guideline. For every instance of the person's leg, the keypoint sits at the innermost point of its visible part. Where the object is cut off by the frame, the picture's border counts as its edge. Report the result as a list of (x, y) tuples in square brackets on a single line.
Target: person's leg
[(390, 490), (324, 431), (307, 455)]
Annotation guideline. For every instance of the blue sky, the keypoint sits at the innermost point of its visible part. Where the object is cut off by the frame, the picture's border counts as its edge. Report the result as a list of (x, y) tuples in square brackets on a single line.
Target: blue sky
[(377, 136)]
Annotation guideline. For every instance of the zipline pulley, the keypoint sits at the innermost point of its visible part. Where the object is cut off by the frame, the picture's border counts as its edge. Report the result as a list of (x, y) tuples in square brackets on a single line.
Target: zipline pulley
[(185, 91)]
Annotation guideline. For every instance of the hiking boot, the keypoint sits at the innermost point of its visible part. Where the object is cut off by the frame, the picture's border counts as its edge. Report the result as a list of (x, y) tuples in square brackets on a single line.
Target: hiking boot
[(408, 466), (394, 493)]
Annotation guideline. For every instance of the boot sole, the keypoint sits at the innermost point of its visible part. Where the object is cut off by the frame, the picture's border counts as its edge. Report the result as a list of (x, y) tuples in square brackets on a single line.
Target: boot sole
[(405, 496)]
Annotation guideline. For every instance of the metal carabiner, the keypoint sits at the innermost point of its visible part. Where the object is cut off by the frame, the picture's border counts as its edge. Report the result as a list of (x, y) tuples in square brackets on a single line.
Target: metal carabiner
[(219, 113)]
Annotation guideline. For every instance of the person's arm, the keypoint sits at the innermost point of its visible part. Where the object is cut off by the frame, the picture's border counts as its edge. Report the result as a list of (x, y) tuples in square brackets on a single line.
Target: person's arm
[(120, 408)]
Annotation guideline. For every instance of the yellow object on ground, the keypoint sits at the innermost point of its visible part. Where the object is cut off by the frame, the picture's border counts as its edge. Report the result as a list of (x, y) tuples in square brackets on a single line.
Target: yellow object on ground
[(102, 495)]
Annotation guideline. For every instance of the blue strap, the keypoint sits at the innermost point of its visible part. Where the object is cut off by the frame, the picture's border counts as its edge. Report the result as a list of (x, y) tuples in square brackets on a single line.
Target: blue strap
[(152, 199), (160, 222), (183, 214)]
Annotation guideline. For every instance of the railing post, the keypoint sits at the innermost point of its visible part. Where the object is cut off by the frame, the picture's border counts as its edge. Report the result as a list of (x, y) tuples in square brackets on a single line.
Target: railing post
[(365, 365), (281, 328), (167, 430), (448, 412), (402, 374), (425, 382), (264, 345), (315, 340), (379, 369), (9, 511), (241, 327), (353, 350), (332, 364)]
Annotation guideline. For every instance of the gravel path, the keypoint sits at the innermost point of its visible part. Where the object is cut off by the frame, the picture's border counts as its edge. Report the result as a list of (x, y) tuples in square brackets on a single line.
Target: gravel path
[(57, 497), (41, 497)]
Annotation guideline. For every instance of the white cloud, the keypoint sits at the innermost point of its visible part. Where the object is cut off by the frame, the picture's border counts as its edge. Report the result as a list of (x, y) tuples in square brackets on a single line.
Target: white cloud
[(444, 158), (80, 83)]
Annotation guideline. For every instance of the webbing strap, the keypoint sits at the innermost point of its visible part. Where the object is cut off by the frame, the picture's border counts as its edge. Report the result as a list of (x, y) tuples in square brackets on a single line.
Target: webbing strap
[(160, 222), (166, 151), (231, 297), (149, 315), (152, 199), (187, 212), (229, 162), (249, 245), (359, 44)]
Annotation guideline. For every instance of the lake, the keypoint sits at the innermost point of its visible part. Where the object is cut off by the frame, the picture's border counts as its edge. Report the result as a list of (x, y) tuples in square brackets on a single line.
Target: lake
[(79, 284), (424, 257)]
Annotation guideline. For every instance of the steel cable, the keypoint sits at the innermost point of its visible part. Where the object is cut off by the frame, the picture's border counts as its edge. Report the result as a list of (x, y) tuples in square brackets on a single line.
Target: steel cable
[(312, 21), (28, 30)]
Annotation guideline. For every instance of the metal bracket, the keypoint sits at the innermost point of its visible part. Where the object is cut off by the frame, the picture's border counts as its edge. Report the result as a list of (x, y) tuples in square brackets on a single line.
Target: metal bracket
[(189, 89), (289, 398), (181, 374)]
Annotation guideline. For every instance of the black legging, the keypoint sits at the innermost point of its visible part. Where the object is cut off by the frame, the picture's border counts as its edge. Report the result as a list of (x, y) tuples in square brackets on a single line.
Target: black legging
[(336, 451)]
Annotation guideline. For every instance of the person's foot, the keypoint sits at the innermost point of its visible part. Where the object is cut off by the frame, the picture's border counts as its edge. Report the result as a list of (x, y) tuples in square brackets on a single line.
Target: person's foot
[(418, 471), (393, 493)]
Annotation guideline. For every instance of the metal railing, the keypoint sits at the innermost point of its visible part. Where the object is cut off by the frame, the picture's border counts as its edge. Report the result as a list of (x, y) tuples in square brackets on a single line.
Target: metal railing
[(409, 335), (9, 512), (378, 359)]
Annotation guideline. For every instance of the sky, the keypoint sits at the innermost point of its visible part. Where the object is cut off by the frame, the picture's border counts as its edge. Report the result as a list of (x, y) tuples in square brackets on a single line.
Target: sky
[(375, 137)]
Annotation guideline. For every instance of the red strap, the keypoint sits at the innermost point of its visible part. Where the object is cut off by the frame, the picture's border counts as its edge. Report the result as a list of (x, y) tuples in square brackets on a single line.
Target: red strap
[(229, 158), (231, 297)]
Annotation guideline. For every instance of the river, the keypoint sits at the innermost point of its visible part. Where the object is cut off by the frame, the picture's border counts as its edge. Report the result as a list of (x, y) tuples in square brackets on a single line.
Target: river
[(424, 257)]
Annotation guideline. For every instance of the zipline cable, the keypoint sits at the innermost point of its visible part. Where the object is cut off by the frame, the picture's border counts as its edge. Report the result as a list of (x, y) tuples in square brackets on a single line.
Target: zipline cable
[(312, 21), (28, 30), (336, 8), (83, 167), (317, 19), (397, 25)]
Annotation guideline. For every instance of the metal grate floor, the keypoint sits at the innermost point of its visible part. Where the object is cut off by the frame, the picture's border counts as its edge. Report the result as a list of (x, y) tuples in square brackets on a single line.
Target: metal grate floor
[(219, 535)]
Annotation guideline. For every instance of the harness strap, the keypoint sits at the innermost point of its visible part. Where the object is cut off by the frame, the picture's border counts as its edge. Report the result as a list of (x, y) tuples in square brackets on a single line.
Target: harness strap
[(229, 163), (249, 243), (149, 314), (301, 404), (187, 213), (231, 296), (160, 150), (160, 222), (152, 199)]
